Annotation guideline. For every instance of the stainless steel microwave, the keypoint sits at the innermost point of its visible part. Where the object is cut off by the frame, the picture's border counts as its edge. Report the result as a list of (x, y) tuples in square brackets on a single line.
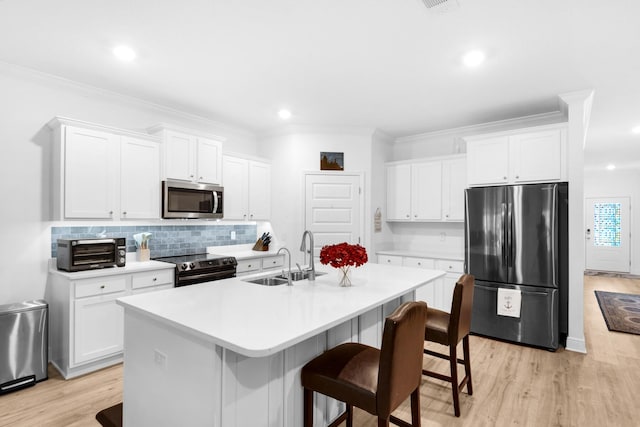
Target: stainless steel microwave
[(191, 200)]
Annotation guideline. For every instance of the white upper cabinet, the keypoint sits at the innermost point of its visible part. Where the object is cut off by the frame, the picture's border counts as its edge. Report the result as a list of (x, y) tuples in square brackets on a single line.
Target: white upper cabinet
[(427, 190), (247, 188), (208, 161), (100, 172), (139, 178), (528, 155), (488, 161), (454, 182), (399, 192), (90, 172), (187, 156)]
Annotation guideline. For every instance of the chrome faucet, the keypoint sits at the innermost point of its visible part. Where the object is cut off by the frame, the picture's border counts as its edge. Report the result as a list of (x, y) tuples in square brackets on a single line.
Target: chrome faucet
[(303, 248), (289, 283)]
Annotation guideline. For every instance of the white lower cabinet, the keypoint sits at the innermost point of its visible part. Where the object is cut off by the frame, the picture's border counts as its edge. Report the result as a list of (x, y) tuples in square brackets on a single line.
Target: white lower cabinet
[(98, 327), (426, 293), (87, 325), (454, 270), (439, 293), (259, 264), (390, 259)]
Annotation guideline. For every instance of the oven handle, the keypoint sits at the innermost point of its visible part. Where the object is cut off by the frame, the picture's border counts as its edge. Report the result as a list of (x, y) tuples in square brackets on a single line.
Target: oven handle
[(207, 276)]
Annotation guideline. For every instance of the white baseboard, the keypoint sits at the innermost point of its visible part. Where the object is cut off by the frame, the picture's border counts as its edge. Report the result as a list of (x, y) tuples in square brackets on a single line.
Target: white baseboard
[(576, 344)]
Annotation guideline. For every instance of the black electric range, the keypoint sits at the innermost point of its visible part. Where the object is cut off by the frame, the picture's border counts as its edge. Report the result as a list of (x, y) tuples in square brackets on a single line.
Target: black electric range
[(199, 268)]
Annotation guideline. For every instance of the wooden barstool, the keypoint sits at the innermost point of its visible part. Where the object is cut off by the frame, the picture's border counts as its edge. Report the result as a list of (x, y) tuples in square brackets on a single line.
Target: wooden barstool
[(448, 329), (111, 416), (375, 380)]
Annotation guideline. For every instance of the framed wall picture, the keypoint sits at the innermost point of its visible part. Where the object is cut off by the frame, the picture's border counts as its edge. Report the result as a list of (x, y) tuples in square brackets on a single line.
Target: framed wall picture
[(331, 161)]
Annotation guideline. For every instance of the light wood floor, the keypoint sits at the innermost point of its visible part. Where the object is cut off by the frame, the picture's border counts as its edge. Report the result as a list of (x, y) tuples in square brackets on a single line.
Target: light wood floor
[(513, 385)]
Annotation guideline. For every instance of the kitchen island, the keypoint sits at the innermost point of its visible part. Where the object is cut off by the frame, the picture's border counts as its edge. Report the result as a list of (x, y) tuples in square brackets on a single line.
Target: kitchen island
[(229, 353)]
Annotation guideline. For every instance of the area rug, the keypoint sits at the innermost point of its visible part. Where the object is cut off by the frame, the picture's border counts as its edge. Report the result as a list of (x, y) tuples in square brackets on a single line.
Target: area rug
[(621, 311)]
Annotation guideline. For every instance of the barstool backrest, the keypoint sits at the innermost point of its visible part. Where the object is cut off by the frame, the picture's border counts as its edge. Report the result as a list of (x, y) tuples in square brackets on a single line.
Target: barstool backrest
[(400, 369), (461, 307)]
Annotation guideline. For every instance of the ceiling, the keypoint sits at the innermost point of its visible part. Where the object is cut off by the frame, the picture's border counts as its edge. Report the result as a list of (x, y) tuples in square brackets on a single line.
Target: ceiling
[(393, 65)]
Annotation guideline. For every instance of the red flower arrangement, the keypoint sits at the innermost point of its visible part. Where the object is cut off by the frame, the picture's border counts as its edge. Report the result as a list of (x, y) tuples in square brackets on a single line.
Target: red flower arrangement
[(343, 256)]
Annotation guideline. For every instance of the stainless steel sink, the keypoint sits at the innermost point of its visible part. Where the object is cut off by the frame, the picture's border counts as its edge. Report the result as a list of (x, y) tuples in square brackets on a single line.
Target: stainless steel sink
[(282, 280), (269, 281), (299, 275)]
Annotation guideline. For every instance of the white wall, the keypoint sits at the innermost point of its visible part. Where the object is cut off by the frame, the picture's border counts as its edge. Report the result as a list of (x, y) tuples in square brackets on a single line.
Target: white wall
[(381, 152), (28, 101), (296, 150), (618, 183)]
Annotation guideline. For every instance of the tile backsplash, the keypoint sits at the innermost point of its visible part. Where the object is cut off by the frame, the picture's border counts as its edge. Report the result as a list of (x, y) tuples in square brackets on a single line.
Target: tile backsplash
[(166, 240)]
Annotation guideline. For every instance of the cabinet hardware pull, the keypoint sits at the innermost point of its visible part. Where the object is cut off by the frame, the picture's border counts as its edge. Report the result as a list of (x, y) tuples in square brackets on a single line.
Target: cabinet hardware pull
[(124, 213), (110, 212), (101, 286), (155, 278)]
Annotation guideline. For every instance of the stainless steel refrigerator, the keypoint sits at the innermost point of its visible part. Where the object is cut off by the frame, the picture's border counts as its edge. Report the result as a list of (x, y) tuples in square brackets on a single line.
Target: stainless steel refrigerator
[(516, 246)]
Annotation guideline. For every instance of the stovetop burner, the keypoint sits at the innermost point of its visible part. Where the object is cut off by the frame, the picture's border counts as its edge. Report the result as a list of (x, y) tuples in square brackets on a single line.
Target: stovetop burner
[(179, 259)]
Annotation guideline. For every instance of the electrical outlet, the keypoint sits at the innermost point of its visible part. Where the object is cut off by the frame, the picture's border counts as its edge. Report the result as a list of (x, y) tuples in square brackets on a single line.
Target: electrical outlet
[(160, 359), (233, 235), (443, 236)]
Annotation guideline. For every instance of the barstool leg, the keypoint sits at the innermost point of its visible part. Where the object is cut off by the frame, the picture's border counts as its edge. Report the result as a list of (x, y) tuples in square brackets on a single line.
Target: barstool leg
[(308, 407), (455, 388), (415, 407), (349, 415), (467, 363)]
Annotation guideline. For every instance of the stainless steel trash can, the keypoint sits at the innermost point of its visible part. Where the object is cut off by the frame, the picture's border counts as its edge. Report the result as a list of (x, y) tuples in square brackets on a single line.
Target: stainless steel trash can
[(24, 332)]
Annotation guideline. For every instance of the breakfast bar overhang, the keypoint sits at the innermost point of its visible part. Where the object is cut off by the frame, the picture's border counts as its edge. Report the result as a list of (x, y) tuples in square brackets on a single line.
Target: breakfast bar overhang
[(229, 353)]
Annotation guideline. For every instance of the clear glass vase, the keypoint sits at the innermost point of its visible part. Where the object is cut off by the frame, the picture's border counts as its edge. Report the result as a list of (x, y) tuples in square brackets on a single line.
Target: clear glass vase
[(344, 276)]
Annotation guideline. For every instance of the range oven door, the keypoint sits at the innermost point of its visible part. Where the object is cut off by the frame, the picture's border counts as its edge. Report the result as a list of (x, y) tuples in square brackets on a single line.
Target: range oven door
[(186, 278)]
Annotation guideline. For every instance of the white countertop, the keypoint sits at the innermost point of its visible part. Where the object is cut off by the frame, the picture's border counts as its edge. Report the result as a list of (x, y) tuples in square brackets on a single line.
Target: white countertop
[(132, 266), (241, 252), (421, 254), (255, 320)]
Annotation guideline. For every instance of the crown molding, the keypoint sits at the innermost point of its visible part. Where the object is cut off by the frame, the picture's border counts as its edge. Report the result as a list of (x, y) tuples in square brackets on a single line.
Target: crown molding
[(309, 129), (20, 71), (524, 121)]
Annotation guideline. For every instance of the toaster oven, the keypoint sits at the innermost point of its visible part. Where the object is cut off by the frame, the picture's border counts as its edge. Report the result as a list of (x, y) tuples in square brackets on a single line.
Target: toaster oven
[(89, 254)]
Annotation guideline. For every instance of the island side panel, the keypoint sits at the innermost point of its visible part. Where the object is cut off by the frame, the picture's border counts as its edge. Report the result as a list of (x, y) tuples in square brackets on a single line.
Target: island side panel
[(169, 377)]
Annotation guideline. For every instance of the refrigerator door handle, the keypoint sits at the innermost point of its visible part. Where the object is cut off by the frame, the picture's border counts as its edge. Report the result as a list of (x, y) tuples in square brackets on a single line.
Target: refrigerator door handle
[(504, 234), (495, 289), (510, 235)]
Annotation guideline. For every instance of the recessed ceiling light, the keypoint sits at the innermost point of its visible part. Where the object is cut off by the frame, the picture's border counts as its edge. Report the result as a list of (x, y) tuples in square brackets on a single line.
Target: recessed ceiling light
[(124, 53), (636, 129), (473, 58), (284, 114), (611, 167)]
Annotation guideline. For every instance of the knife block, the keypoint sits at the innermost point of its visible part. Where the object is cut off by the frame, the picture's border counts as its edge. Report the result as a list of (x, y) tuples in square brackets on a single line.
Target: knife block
[(259, 246)]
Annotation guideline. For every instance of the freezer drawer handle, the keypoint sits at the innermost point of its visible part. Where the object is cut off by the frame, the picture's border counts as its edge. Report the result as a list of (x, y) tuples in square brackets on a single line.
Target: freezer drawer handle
[(17, 384), (492, 289)]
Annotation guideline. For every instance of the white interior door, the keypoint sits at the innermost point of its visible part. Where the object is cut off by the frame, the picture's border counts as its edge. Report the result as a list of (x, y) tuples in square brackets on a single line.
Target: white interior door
[(333, 209), (608, 234)]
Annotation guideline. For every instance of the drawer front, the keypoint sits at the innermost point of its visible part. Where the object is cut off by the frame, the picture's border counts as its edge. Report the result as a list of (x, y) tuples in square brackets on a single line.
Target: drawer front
[(450, 266), (247, 265), (390, 259), (272, 262), (152, 278), (152, 289), (427, 263), (100, 286)]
